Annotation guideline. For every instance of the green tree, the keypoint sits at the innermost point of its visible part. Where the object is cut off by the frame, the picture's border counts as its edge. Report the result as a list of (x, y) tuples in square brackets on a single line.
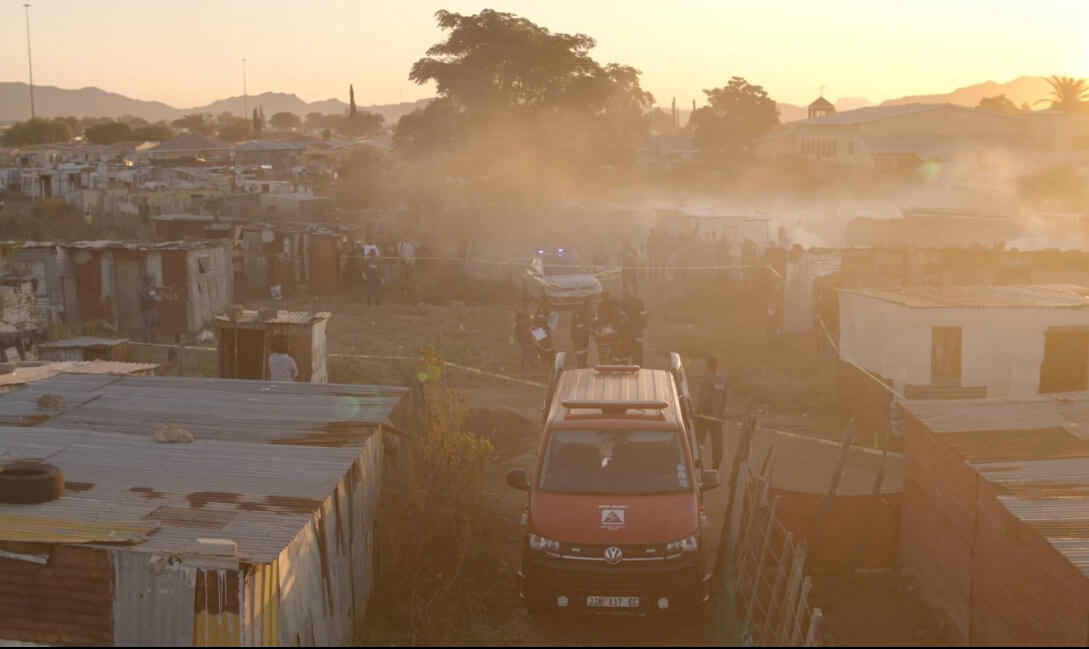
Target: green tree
[(364, 178), (360, 124), (351, 100), (73, 123), (518, 103), (153, 133), (285, 121), (38, 130), (235, 129), (735, 115), (1067, 94), (133, 121), (196, 123), (999, 104), (108, 133), (256, 124)]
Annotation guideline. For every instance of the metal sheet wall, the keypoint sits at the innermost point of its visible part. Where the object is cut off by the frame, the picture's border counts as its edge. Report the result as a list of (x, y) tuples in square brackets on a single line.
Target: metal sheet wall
[(327, 574), (152, 600), (56, 595)]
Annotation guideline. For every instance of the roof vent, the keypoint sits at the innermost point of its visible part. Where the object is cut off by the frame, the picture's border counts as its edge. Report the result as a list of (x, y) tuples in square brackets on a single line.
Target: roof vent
[(27, 482), (614, 407)]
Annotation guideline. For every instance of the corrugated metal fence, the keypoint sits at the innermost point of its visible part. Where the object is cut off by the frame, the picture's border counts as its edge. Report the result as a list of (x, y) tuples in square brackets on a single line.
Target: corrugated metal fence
[(765, 586)]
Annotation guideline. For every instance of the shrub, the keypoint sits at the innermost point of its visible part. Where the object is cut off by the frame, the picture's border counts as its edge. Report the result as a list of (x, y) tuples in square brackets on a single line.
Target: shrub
[(439, 524)]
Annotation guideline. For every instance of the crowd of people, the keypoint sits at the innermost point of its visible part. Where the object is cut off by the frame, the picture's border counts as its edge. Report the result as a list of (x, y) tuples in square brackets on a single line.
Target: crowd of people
[(614, 326)]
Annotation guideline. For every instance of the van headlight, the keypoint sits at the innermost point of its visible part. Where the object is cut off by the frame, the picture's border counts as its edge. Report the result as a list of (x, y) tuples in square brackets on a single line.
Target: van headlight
[(542, 544), (687, 544)]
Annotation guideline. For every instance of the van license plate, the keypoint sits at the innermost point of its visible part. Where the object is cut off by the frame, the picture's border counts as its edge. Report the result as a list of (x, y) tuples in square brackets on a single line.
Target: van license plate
[(595, 601)]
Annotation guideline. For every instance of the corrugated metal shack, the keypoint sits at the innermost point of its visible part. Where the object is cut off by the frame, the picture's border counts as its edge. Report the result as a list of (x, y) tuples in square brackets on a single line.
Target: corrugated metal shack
[(244, 343), (196, 276), (996, 516), (53, 282), (84, 348), (288, 473)]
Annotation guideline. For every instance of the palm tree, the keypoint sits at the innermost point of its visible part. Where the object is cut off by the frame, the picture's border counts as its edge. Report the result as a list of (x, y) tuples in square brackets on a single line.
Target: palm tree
[(1068, 94)]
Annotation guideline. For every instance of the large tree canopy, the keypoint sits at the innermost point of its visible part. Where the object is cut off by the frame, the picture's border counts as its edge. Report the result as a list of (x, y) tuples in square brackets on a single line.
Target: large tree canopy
[(735, 115), (517, 102), (37, 131), (108, 133)]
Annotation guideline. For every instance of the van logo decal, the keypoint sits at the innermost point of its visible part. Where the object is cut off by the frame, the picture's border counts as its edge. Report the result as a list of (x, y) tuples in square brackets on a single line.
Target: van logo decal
[(613, 555), (613, 516)]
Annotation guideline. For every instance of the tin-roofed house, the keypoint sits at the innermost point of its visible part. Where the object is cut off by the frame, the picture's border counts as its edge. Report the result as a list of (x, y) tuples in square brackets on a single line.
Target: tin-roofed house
[(53, 282), (995, 516), (260, 531), (956, 342), (196, 277)]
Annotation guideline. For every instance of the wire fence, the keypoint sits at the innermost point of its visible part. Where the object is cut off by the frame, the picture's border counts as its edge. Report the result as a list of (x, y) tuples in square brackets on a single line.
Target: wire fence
[(766, 581)]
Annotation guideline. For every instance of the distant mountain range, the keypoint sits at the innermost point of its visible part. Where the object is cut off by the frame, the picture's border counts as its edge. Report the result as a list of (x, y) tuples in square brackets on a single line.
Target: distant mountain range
[(50, 101), (1022, 90)]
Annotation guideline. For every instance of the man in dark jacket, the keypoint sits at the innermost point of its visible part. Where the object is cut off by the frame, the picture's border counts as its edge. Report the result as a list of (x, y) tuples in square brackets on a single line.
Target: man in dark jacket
[(372, 278), (711, 409), (149, 307), (581, 321)]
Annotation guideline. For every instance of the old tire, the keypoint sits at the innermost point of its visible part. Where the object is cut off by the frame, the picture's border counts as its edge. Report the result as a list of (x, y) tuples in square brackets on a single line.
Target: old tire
[(24, 483)]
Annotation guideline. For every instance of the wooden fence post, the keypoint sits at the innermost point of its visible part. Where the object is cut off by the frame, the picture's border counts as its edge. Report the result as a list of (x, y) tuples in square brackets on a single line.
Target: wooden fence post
[(895, 422), (830, 497)]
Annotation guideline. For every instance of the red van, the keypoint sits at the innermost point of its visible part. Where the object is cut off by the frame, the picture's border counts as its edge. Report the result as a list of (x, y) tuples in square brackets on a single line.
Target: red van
[(615, 514)]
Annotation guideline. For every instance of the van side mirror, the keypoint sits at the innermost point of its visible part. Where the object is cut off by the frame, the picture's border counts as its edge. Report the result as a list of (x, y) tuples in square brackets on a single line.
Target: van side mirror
[(517, 478), (708, 479)]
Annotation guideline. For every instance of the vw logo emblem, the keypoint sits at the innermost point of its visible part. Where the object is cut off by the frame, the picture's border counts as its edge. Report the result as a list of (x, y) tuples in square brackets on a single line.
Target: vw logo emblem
[(613, 555)]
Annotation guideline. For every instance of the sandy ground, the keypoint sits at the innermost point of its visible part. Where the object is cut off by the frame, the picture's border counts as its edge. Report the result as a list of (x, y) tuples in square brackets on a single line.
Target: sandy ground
[(791, 385)]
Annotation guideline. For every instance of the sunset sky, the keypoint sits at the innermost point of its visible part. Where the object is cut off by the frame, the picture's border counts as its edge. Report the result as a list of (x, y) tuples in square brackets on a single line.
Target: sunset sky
[(189, 52)]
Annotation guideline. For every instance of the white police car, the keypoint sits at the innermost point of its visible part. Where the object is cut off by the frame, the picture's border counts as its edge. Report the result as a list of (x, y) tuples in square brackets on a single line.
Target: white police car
[(563, 276)]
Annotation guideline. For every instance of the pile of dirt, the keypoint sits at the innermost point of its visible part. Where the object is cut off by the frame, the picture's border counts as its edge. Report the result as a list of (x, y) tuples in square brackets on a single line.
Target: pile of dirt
[(510, 432)]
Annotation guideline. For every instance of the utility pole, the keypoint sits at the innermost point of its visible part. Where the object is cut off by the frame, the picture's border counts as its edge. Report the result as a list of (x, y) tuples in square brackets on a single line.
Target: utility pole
[(29, 62), (245, 108)]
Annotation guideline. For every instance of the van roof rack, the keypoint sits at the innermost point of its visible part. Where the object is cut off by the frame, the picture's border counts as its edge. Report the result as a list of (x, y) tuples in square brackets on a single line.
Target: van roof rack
[(617, 369), (611, 407)]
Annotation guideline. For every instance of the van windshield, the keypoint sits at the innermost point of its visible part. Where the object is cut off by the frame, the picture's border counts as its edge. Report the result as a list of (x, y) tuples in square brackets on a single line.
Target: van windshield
[(614, 462)]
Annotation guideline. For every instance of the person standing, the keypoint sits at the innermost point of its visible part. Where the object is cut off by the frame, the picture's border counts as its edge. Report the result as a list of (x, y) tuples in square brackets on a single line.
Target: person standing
[(522, 335), (580, 333), (711, 409), (633, 322), (601, 258), (372, 278), (149, 307), (542, 330), (281, 367), (629, 261)]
